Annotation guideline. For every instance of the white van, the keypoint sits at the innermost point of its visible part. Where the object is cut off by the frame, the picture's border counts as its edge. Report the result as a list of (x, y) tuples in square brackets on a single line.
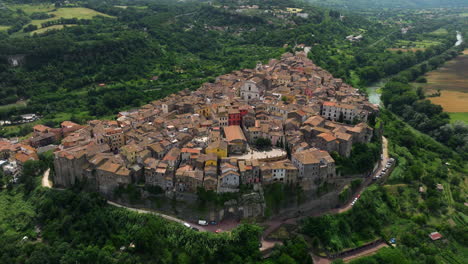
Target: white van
[(202, 222), (187, 225)]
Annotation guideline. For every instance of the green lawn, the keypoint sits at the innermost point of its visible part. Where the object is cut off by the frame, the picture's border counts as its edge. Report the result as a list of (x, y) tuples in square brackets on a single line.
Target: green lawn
[(75, 12), (439, 32), (42, 30), (20, 104), (458, 116), (29, 9), (417, 44), (68, 12)]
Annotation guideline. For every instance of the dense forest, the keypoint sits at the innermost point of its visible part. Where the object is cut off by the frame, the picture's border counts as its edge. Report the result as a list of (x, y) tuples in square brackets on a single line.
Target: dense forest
[(375, 4), (71, 226)]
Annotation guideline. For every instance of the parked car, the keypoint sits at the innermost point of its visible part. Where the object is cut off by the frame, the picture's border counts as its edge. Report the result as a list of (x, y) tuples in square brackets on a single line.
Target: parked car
[(202, 222), (187, 225), (196, 229), (213, 223), (218, 231)]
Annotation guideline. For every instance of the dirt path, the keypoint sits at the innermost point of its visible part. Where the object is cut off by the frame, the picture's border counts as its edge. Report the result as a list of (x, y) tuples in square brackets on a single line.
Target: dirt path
[(45, 179)]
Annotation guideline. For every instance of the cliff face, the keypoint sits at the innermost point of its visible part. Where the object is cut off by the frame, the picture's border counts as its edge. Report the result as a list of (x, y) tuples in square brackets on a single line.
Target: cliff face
[(67, 171)]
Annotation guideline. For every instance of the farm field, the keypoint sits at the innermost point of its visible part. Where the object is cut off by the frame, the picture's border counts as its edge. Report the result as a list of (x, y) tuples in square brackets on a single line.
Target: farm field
[(452, 81), (439, 32), (406, 50), (68, 12), (405, 45), (458, 117), (42, 30)]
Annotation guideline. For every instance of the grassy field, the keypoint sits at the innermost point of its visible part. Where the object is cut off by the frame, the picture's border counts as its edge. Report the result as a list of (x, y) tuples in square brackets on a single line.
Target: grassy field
[(452, 80), (405, 45), (440, 32), (42, 30), (29, 9), (69, 12), (458, 117), (406, 50), (19, 104), (4, 28)]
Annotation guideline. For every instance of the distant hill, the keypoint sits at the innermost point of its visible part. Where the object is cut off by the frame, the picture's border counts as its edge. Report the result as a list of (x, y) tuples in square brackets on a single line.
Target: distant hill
[(374, 4)]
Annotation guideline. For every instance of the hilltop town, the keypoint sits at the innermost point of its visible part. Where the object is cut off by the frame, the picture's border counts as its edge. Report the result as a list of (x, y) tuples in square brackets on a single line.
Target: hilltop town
[(279, 122)]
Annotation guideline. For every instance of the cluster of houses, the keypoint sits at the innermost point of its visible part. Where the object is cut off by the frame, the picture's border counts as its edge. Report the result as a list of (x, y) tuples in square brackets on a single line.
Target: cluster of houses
[(14, 152), (13, 155), (206, 138)]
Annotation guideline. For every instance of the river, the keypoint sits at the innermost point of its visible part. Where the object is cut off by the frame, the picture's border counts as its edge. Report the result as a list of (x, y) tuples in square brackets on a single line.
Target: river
[(374, 92), (373, 88)]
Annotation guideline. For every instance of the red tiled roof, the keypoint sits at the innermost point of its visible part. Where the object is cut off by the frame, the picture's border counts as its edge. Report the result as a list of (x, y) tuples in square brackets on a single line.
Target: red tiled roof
[(435, 235)]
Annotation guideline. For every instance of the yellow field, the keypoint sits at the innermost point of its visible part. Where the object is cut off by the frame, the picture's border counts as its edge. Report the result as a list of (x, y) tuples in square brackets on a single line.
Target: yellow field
[(452, 80), (452, 101)]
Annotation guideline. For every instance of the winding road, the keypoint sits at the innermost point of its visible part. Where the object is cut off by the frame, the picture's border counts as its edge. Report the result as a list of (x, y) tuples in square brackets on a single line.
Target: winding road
[(276, 222)]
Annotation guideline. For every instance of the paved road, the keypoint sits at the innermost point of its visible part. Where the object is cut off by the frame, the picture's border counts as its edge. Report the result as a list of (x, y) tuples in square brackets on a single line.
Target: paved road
[(276, 222), (167, 217)]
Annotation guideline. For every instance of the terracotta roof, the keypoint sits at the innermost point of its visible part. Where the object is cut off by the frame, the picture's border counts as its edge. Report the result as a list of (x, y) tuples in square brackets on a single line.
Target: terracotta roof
[(22, 157), (327, 137), (190, 150), (41, 128), (217, 144), (68, 124), (343, 136), (435, 235), (313, 156), (109, 167), (234, 133)]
